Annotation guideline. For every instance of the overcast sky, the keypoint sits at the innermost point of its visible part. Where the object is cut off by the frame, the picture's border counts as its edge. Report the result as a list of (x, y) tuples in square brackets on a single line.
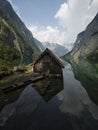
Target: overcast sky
[(56, 20)]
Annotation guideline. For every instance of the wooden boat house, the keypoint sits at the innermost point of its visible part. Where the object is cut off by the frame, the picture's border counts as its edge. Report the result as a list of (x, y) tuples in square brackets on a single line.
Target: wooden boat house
[(48, 63)]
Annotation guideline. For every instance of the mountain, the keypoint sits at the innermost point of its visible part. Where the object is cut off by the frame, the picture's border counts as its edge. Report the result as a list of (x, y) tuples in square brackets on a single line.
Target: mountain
[(55, 47), (17, 45), (86, 45), (39, 45)]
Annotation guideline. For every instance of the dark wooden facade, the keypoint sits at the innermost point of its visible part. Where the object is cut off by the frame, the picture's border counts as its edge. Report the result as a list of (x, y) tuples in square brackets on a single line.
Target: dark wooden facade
[(48, 63)]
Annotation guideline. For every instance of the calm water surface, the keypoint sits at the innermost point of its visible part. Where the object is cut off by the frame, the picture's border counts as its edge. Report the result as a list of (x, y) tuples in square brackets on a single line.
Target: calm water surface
[(73, 108)]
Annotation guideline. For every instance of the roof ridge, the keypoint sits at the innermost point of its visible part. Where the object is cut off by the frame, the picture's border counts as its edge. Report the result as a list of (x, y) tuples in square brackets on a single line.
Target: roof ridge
[(56, 58)]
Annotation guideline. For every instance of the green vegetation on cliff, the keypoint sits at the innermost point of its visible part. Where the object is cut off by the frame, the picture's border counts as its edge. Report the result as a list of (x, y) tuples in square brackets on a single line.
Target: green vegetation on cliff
[(86, 44), (17, 45)]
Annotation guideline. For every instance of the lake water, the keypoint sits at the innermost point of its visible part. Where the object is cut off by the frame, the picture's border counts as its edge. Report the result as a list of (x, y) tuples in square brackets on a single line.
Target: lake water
[(73, 108)]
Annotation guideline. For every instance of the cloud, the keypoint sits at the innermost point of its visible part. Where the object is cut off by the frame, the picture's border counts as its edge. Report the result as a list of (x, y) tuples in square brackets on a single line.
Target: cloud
[(48, 34), (75, 15)]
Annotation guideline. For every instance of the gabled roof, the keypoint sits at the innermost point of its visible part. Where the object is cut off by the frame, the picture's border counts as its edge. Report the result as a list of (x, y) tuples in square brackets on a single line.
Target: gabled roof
[(53, 55)]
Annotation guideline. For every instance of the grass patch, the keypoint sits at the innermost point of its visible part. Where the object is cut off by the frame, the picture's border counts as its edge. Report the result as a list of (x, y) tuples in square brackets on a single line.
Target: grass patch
[(15, 78)]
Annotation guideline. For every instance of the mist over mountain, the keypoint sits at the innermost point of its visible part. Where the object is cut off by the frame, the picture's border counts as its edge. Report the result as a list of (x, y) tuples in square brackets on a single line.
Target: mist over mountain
[(55, 47)]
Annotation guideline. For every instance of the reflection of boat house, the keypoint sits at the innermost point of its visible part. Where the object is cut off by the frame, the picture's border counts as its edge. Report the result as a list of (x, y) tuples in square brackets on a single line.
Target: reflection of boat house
[(48, 63)]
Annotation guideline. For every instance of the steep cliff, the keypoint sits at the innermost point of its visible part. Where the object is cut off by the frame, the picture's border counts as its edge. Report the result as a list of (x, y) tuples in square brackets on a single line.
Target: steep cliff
[(17, 45), (86, 45)]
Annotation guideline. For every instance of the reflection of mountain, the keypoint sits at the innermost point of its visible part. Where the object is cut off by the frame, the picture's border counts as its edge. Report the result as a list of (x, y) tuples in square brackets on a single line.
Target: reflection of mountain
[(87, 74), (20, 100), (75, 100), (49, 87), (9, 98), (31, 112)]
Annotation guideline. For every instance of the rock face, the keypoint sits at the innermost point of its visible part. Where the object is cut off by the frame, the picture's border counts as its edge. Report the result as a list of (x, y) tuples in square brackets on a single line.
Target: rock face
[(55, 47), (86, 45), (17, 45), (39, 44)]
